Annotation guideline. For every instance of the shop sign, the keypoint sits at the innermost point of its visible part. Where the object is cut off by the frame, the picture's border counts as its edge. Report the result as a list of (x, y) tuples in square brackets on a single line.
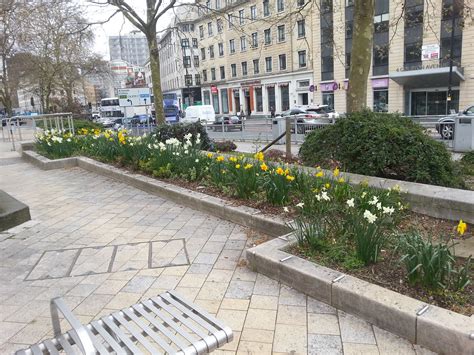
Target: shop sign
[(430, 52), (418, 67), (250, 83), (329, 86), (312, 88), (214, 89), (380, 83)]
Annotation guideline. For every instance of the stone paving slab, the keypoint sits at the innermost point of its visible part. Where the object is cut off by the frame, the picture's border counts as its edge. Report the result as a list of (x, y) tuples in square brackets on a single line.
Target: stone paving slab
[(73, 209)]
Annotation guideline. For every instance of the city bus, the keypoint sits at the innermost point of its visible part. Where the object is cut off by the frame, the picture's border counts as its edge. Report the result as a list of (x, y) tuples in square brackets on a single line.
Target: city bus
[(170, 106), (110, 109)]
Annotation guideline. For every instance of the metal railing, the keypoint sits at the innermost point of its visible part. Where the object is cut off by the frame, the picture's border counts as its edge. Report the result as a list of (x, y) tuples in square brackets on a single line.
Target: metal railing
[(20, 128)]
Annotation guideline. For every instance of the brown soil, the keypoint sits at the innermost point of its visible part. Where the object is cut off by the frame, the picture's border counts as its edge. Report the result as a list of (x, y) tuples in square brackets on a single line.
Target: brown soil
[(389, 273)]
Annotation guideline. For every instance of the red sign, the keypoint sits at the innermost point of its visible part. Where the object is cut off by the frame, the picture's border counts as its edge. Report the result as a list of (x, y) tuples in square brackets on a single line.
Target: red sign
[(214, 89)]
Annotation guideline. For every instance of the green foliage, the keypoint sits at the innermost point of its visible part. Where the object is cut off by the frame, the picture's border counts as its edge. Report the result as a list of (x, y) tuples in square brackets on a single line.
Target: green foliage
[(86, 124), (178, 131), (432, 264), (225, 146), (384, 145), (277, 184), (310, 232)]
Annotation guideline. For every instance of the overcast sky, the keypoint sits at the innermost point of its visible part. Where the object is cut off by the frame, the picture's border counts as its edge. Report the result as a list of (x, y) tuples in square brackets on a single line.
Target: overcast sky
[(117, 25)]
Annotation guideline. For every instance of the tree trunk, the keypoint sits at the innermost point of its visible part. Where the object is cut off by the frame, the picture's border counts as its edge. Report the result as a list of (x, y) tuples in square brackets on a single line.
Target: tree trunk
[(69, 97), (156, 75), (361, 56), (6, 100)]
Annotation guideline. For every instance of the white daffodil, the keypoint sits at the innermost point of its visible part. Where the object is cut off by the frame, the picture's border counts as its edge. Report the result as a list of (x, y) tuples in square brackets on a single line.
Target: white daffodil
[(197, 161), (350, 202), (388, 210), (324, 196), (285, 209), (369, 216), (363, 194), (379, 206), (374, 201), (300, 205)]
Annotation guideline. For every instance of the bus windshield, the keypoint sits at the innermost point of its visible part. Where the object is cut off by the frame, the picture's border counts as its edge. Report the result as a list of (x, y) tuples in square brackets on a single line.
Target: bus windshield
[(113, 101)]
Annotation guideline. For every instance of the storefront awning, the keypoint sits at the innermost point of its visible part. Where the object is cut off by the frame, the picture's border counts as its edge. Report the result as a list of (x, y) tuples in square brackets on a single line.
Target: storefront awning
[(425, 78)]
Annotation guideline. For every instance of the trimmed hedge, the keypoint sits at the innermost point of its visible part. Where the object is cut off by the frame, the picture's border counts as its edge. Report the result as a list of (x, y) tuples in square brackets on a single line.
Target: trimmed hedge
[(384, 145)]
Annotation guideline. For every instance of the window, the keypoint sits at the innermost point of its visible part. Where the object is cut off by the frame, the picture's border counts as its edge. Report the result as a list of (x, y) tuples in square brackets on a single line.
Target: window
[(185, 43), (254, 40), (244, 68), (215, 102), (222, 70), (218, 4), (302, 59), (413, 52), (213, 74), (232, 46), (266, 8), (196, 61), (224, 101), (241, 17), (280, 5), (229, 19), (209, 28), (281, 33), (219, 26), (259, 99), (188, 80), (197, 79), (349, 3), (253, 12), (282, 61), (195, 42), (380, 60), (187, 61), (327, 68), (300, 3), (211, 52), (328, 99), (268, 64), (203, 53), (243, 43), (268, 36), (233, 70), (380, 101), (326, 6), (301, 29), (201, 31), (221, 49), (204, 75), (256, 66)]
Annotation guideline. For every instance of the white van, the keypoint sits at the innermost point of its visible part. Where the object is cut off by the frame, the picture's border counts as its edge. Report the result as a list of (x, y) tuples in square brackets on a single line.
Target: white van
[(204, 113)]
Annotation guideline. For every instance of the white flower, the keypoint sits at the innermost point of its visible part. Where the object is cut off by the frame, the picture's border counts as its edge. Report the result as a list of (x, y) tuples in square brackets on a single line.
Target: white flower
[(369, 216), (363, 194), (379, 206), (374, 200), (324, 196), (198, 135), (318, 197), (350, 202), (131, 144), (198, 141), (388, 210), (285, 209), (188, 136), (149, 146), (197, 160), (69, 139), (162, 146), (186, 151), (300, 205)]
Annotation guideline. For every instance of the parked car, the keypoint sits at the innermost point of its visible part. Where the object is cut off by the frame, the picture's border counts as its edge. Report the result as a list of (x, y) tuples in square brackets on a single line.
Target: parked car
[(308, 117), (204, 113), (445, 125), (107, 122), (228, 123), (142, 119)]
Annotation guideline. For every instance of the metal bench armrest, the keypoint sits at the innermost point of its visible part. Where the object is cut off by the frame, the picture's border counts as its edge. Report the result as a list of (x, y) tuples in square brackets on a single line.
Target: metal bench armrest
[(85, 342)]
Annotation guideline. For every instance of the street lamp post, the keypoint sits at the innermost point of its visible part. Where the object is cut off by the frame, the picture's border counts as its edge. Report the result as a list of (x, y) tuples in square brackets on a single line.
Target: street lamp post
[(451, 50)]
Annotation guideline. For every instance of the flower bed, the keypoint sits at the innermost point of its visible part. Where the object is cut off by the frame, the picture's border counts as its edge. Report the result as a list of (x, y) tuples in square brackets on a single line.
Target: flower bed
[(354, 228)]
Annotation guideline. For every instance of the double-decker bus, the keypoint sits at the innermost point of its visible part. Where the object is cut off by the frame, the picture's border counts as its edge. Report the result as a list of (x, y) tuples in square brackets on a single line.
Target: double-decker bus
[(110, 109), (170, 106)]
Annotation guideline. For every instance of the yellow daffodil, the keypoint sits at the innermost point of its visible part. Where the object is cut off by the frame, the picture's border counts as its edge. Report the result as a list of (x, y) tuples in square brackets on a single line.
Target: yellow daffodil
[(259, 156), (341, 180), (210, 155), (461, 228), (336, 172), (287, 171), (279, 171), (220, 158), (319, 174), (327, 185), (233, 159), (264, 167), (248, 166), (318, 167), (106, 135), (290, 178), (237, 166), (316, 190), (223, 171)]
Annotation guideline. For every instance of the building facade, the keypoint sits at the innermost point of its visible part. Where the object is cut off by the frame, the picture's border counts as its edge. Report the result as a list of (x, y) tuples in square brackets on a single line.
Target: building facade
[(132, 48), (262, 55)]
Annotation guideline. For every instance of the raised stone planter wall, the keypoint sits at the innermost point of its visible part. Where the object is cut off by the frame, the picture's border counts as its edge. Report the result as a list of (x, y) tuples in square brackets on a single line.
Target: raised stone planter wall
[(12, 212)]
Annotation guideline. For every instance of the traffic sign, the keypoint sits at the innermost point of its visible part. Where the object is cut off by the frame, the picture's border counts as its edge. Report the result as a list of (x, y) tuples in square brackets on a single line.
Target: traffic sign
[(134, 97)]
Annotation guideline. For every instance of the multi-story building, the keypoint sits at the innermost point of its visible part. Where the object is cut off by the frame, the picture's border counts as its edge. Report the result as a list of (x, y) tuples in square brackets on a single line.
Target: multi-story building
[(132, 48), (259, 55)]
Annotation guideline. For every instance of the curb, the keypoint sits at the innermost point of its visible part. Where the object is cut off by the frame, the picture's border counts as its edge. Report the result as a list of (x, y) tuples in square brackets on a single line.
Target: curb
[(243, 215), (12, 212), (433, 327)]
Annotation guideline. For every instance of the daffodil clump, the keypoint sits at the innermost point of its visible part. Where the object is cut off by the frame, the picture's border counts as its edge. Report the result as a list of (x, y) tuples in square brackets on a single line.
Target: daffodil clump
[(56, 144)]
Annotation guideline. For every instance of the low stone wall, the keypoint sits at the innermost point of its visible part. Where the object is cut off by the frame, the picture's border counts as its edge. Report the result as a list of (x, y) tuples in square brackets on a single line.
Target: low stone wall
[(12, 212)]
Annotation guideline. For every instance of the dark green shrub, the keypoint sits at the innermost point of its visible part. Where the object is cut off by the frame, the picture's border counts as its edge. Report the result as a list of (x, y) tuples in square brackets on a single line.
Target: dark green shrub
[(178, 131), (384, 145), (79, 124), (225, 146)]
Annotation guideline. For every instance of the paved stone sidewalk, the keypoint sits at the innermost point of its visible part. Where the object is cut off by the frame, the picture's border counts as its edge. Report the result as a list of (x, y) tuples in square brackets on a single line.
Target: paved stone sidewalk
[(75, 209)]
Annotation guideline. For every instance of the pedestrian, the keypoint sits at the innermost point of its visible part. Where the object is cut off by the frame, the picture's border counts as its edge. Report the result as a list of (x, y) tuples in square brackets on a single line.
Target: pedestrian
[(249, 112), (272, 112)]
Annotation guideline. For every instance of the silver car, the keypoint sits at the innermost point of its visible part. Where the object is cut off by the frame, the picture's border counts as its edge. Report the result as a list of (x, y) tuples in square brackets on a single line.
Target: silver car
[(445, 125)]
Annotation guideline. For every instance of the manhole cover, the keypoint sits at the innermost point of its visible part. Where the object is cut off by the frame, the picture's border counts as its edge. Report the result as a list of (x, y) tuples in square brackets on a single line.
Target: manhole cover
[(54, 264)]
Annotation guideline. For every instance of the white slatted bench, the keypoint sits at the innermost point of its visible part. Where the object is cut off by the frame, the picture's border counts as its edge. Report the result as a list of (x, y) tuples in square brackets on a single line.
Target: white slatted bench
[(166, 324)]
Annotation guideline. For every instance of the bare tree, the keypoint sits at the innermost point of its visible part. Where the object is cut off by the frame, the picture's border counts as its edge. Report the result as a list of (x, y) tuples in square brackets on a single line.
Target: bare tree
[(154, 11)]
